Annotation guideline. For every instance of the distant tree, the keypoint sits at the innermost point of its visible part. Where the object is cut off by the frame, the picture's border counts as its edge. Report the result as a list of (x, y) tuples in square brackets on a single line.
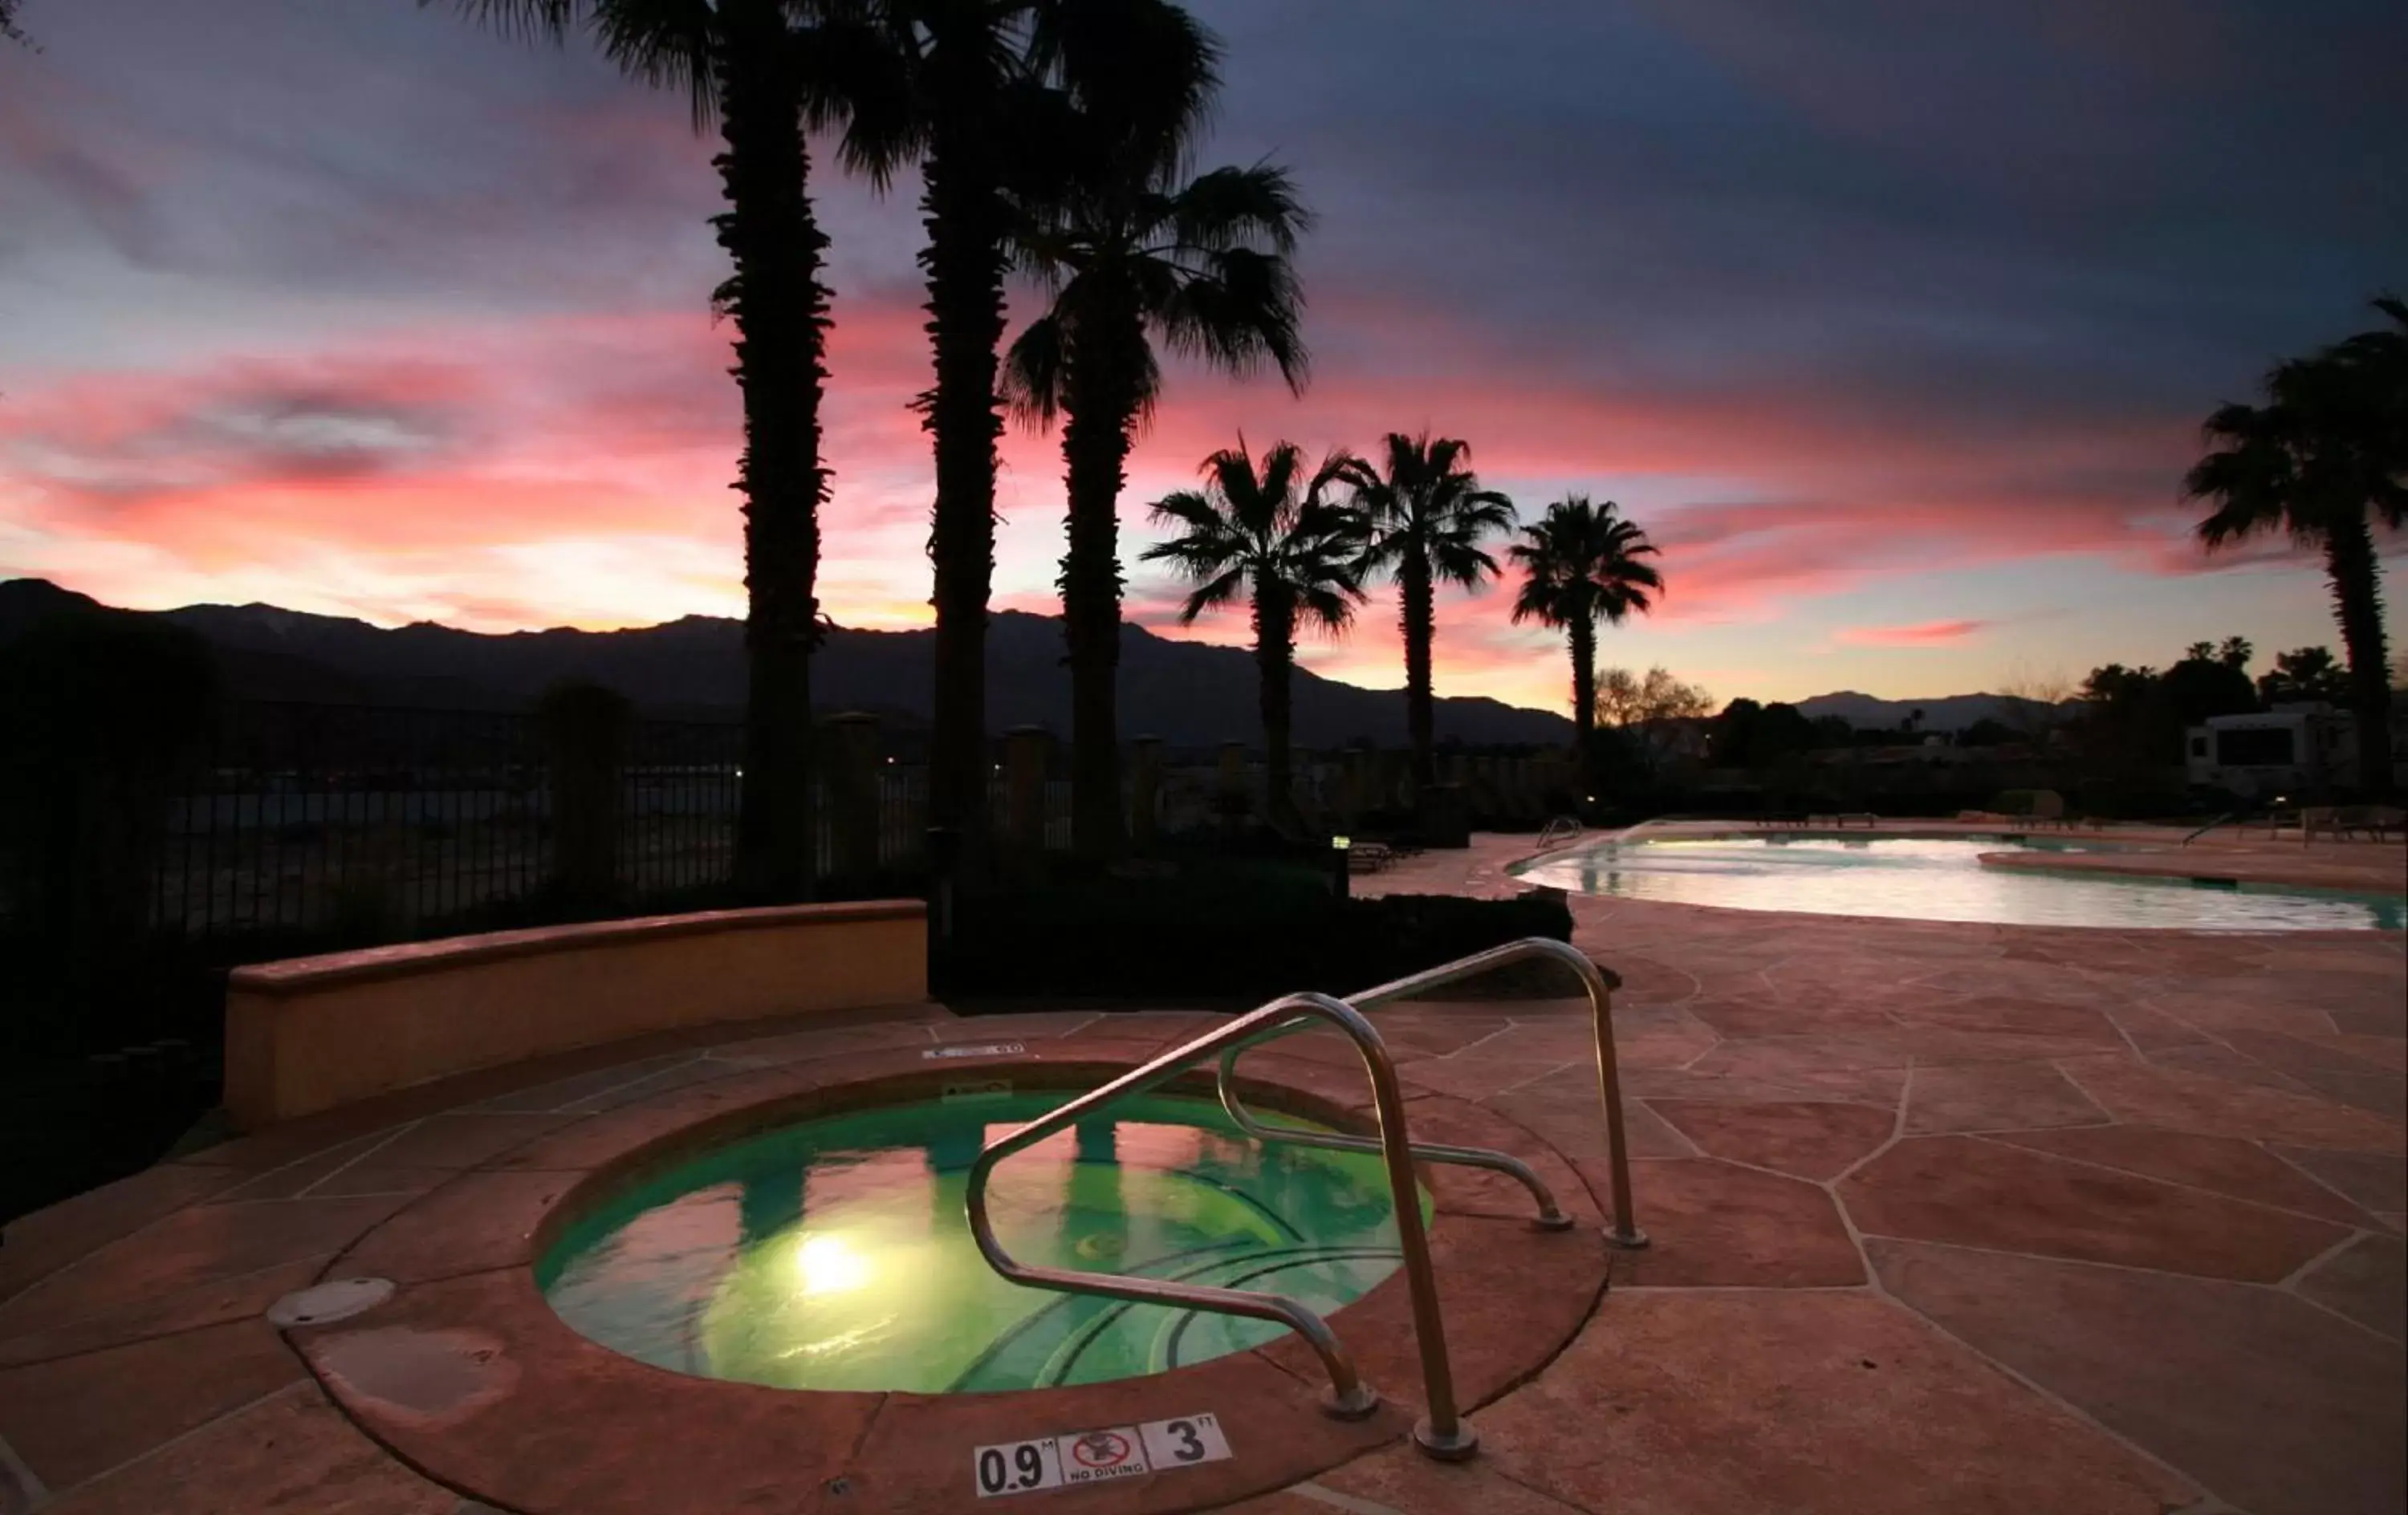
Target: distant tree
[(1582, 564), (2036, 704), (2325, 459), (1428, 516), (2305, 675), (2200, 652), (1651, 708), (1750, 736), (2120, 728), (8, 28), (2198, 688), (1913, 722), (1625, 699), (1834, 731), (1267, 534), (2133, 718), (1733, 738), (2236, 652)]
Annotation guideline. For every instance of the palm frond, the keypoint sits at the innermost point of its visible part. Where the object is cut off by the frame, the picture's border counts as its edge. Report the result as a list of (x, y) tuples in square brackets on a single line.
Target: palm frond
[(526, 20), (1032, 377), (1233, 208)]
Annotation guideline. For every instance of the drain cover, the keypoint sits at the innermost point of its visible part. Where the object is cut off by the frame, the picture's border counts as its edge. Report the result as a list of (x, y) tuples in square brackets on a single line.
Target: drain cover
[(337, 1299)]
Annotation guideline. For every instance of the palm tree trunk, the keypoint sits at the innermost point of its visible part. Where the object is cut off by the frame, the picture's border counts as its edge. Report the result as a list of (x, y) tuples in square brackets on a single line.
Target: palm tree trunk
[(1098, 412), (1420, 717), (1584, 640), (2351, 567), (966, 263), (1275, 664), (779, 310)]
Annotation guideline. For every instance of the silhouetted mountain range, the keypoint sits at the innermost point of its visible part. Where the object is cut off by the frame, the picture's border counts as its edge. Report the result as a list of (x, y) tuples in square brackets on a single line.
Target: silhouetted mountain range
[(1945, 712), (1188, 693)]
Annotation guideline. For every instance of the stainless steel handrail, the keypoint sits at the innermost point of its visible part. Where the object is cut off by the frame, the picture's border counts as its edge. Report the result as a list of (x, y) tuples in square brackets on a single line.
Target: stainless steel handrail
[(1549, 834), (1550, 1216), (1626, 1232), (1441, 1433)]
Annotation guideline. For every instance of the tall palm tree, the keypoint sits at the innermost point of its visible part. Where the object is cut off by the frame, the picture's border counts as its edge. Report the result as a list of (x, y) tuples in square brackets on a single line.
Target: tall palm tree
[(1267, 534), (1427, 516), (977, 121), (8, 28), (1132, 253), (765, 80), (1582, 564), (2322, 461)]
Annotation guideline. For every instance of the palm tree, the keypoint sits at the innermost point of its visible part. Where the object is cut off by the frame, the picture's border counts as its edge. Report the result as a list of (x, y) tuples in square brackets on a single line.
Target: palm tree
[(2322, 461), (765, 81), (1267, 534), (972, 75), (8, 28), (1582, 564), (1132, 255), (1428, 515)]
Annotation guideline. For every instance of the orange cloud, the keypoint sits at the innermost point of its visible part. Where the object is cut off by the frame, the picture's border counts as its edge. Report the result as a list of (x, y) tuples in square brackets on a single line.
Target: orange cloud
[(1924, 634)]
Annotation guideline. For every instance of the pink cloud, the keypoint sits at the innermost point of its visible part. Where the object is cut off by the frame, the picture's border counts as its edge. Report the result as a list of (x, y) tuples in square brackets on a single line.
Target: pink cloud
[(393, 464), (1923, 634)]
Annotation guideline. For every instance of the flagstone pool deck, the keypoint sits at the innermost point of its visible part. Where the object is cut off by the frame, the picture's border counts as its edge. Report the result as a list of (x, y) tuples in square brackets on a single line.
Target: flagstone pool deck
[(1944, 1216)]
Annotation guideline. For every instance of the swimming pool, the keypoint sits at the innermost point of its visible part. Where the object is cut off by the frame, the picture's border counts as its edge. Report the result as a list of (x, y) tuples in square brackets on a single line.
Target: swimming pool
[(1940, 878), (833, 1254)]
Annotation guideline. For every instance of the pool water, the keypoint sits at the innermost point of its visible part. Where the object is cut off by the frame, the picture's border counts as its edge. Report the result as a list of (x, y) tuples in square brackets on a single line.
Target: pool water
[(1941, 879), (836, 1255)]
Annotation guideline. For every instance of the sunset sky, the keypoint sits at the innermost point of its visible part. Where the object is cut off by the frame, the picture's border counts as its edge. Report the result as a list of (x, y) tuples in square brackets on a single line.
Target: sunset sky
[(1893, 326)]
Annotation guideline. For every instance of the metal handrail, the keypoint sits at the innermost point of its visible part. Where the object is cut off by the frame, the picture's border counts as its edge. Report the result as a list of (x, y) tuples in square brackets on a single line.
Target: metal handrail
[(1549, 834), (1626, 1232), (1441, 1433), (1550, 1216), (2229, 815)]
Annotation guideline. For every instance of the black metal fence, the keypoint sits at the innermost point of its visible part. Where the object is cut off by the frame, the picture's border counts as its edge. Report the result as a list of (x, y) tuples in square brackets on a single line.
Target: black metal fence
[(361, 824), (369, 820)]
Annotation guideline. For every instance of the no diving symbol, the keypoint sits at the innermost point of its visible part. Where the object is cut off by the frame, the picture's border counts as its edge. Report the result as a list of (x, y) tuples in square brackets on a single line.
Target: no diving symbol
[(1101, 1451)]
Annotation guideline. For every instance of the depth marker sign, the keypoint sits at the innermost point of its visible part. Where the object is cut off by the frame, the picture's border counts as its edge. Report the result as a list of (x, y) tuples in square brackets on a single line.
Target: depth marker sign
[(1116, 1451)]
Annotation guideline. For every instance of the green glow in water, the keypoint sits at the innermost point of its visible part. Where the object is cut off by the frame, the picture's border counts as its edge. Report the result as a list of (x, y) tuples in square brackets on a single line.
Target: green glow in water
[(834, 1254)]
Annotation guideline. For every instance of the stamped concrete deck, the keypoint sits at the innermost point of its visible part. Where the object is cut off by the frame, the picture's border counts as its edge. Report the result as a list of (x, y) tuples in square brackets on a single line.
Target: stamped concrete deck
[(1946, 1217)]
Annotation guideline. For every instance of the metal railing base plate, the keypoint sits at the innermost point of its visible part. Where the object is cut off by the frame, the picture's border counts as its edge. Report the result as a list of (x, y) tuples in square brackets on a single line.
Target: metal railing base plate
[(1461, 1447)]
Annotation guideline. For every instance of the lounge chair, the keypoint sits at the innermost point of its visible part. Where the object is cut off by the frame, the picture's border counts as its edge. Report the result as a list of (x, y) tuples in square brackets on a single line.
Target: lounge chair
[(2373, 822), (1368, 857)]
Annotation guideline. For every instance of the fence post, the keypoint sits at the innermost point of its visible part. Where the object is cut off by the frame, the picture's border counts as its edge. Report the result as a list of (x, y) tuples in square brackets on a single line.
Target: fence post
[(1233, 784), (1487, 795), (1354, 787), (585, 739), (1025, 753), (1145, 792), (1395, 783), (852, 792)]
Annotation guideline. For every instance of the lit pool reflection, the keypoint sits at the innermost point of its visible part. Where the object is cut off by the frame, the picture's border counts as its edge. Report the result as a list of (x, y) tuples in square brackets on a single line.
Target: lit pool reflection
[(1941, 879)]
